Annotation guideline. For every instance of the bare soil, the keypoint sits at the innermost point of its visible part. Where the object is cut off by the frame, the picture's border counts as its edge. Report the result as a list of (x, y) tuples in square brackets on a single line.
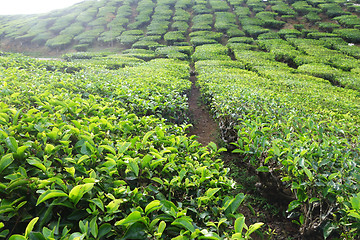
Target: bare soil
[(204, 126)]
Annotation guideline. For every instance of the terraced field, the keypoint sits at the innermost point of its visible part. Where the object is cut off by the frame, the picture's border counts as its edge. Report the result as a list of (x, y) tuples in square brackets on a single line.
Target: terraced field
[(98, 144)]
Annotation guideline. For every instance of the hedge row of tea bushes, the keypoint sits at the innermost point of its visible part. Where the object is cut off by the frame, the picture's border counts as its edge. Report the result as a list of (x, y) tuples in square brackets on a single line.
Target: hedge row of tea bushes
[(82, 156), (80, 25), (168, 24), (315, 57), (148, 25), (298, 131)]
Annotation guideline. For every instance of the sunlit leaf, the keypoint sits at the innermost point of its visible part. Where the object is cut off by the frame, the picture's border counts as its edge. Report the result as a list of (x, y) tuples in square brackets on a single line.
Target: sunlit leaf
[(50, 194)]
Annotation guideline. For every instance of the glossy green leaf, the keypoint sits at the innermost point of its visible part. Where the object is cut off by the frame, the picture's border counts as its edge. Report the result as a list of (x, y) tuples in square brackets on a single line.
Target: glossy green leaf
[(122, 147), (239, 224), (328, 229), (108, 148), (6, 161), (152, 206), (253, 228), (161, 227), (98, 203), (354, 215), (185, 223), (12, 144), (136, 231), (49, 148), (50, 194), (104, 229), (70, 170), (146, 136), (355, 202), (263, 169), (94, 227), (309, 174), (78, 192), (37, 236), (30, 226), (211, 192), (134, 166), (4, 233), (294, 204), (21, 150), (132, 218), (36, 162), (17, 237)]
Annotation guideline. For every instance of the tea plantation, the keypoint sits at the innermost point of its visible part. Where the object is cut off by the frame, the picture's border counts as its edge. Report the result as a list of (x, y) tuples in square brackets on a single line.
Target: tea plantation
[(95, 144)]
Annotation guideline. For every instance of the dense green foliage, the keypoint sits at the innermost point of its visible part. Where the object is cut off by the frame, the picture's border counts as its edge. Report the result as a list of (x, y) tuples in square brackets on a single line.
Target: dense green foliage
[(82, 156), (95, 146)]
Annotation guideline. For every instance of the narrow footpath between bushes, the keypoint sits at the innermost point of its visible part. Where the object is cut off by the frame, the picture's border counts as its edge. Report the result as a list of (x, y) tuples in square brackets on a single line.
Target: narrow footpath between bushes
[(204, 126)]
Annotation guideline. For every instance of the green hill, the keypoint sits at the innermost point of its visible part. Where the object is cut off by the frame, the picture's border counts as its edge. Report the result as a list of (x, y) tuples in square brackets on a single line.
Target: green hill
[(148, 24)]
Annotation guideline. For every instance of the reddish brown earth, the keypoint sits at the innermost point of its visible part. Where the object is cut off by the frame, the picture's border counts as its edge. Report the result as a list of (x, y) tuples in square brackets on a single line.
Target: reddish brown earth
[(204, 125)]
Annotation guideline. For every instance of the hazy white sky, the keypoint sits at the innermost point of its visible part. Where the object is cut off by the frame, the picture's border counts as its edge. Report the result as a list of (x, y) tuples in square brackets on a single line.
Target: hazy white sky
[(10, 7)]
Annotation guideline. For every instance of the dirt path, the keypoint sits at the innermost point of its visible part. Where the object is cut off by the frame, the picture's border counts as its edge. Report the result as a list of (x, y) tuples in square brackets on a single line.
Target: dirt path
[(204, 125)]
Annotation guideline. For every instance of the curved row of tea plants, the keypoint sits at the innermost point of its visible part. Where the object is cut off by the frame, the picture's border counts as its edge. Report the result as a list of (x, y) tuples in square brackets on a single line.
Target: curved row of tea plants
[(299, 132)]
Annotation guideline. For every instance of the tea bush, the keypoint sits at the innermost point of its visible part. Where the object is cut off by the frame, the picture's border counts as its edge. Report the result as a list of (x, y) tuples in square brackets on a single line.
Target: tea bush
[(210, 52), (82, 156)]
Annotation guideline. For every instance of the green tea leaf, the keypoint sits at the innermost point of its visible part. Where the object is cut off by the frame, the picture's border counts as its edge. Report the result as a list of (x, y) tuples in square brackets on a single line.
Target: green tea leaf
[(253, 228), (211, 192), (146, 160), (239, 198), (355, 201), (309, 174), (17, 237), (78, 192), (328, 229), (94, 227), (239, 224), (134, 166), (108, 148), (16, 183), (294, 204), (20, 151), (161, 228), (152, 206), (35, 162), (185, 223), (30, 226), (50, 194), (263, 169), (49, 148), (354, 215), (4, 233), (12, 144), (146, 137), (70, 170), (132, 218), (104, 229), (98, 203), (136, 231), (6, 161), (122, 147)]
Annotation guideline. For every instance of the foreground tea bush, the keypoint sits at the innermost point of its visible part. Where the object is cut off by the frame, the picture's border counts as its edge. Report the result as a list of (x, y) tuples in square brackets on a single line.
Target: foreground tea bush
[(78, 162)]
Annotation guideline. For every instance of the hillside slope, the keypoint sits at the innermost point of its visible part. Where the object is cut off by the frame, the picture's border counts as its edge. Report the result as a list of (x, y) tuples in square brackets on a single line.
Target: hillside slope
[(123, 24)]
